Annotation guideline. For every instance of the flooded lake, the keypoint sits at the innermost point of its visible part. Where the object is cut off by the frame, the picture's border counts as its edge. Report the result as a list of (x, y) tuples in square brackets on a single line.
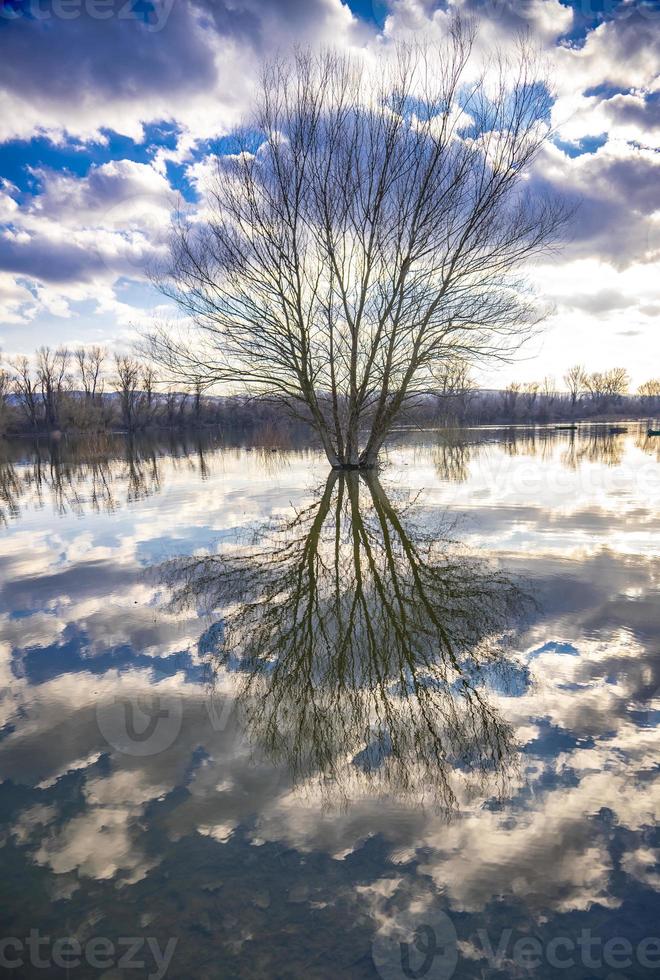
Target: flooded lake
[(262, 722)]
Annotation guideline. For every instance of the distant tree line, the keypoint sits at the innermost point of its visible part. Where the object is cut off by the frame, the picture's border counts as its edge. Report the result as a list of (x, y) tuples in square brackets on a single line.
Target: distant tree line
[(596, 395), (90, 390)]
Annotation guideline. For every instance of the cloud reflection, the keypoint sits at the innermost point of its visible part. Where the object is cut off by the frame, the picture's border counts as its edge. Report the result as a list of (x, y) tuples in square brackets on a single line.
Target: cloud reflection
[(302, 809)]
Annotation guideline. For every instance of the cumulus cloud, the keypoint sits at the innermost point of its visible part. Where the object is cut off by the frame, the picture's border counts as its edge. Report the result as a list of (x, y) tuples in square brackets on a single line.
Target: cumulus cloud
[(17, 302), (615, 194), (193, 65), (193, 62), (622, 51), (500, 21), (74, 240), (112, 222), (119, 92)]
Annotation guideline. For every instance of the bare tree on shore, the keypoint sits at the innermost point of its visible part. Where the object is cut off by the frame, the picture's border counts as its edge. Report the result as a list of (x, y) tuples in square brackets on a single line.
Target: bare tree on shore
[(607, 387), (574, 381), (375, 228), (510, 398), (26, 389), (649, 394), (454, 386), (530, 393), (54, 382), (127, 385), (90, 362), (5, 393)]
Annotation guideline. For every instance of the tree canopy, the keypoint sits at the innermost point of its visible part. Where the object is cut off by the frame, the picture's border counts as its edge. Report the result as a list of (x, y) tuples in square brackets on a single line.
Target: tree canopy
[(370, 228)]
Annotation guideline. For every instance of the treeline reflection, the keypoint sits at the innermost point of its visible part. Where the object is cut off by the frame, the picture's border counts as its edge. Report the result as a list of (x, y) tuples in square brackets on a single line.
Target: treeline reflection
[(454, 450), (107, 471), (367, 647)]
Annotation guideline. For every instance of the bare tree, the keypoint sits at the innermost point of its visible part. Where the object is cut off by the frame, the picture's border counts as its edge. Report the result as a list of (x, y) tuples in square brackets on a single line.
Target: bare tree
[(89, 410), (596, 386), (175, 403), (530, 393), (181, 407), (54, 382), (607, 387), (452, 376), (149, 379), (574, 379), (549, 395), (455, 387), (198, 386), (90, 362), (374, 230), (510, 399), (127, 386), (649, 394), (5, 393), (26, 390), (617, 382)]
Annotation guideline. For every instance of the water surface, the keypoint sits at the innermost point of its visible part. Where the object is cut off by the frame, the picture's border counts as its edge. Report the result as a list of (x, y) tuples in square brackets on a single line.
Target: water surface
[(300, 727)]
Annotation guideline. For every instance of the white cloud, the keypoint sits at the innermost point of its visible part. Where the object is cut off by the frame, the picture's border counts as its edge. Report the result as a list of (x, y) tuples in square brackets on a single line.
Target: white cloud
[(66, 247)]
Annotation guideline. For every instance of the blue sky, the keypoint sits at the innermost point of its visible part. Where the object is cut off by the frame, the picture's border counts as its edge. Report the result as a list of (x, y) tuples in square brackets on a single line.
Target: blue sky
[(110, 109)]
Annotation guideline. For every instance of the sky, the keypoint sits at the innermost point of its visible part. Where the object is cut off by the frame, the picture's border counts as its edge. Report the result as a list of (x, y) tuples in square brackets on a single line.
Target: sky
[(109, 110)]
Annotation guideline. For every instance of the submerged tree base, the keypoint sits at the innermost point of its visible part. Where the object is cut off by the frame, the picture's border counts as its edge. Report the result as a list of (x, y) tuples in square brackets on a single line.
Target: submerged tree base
[(362, 467)]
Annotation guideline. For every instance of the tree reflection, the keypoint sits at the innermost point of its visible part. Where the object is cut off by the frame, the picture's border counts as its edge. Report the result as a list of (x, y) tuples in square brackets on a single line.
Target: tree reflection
[(595, 445), (104, 472), (365, 644), (452, 457)]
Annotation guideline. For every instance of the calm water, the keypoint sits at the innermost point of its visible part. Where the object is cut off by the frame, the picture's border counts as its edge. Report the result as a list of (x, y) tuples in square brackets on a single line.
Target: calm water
[(261, 723)]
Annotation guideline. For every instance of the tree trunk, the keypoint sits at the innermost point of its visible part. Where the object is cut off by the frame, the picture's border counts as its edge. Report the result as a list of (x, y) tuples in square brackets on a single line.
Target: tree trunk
[(351, 458)]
